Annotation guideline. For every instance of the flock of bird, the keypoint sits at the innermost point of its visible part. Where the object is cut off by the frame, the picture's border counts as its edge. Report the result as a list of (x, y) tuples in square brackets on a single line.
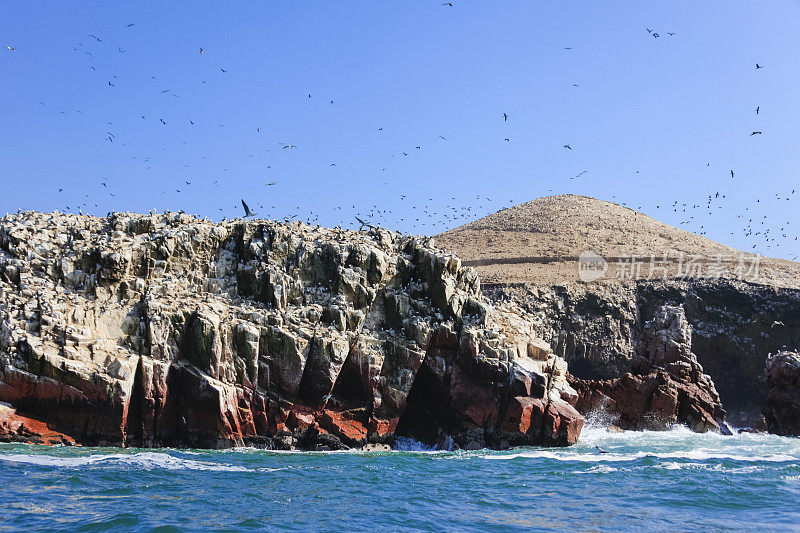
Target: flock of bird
[(425, 218)]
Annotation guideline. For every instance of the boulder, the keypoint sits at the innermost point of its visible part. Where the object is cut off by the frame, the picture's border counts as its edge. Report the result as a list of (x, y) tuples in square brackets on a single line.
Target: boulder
[(782, 408)]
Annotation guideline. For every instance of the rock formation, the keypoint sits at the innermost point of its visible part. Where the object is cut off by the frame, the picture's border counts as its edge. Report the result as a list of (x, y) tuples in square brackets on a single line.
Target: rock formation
[(782, 410), (741, 307), (598, 328), (167, 330), (666, 384)]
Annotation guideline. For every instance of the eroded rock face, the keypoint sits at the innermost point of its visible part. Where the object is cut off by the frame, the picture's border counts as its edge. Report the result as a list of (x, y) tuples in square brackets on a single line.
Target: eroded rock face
[(782, 408), (597, 329), (167, 330), (666, 384)]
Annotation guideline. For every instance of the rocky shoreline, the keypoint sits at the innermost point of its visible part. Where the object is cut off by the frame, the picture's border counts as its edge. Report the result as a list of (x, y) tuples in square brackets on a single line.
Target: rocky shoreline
[(168, 330)]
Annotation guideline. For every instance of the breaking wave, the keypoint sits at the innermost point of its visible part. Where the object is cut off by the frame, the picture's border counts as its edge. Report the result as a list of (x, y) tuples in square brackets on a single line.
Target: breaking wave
[(142, 460)]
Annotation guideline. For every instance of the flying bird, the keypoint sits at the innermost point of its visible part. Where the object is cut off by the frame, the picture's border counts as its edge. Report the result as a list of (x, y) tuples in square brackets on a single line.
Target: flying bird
[(223, 70), (11, 48), (200, 51), (247, 212), (289, 146), (448, 4), (505, 117), (568, 147), (755, 133), (758, 66), (95, 37), (758, 108), (732, 174), (272, 183)]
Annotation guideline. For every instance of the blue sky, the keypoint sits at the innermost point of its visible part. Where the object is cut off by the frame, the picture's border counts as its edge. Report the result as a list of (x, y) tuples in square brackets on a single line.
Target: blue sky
[(652, 120)]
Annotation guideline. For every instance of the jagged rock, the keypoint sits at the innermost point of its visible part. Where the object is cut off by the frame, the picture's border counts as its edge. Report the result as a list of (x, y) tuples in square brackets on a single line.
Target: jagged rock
[(17, 428), (168, 330), (782, 409), (597, 327), (666, 386)]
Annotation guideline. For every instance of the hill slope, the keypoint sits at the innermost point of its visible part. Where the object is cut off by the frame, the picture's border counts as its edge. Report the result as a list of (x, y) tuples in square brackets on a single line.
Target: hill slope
[(540, 241)]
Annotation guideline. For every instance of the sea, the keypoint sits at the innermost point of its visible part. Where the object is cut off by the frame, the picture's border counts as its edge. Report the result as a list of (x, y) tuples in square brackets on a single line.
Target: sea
[(672, 480)]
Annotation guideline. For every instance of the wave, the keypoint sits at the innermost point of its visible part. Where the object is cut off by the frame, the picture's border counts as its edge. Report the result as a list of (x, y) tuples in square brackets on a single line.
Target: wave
[(142, 460), (693, 455)]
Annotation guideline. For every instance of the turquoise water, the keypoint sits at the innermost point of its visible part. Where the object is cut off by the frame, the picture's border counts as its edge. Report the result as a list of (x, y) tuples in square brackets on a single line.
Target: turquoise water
[(656, 480)]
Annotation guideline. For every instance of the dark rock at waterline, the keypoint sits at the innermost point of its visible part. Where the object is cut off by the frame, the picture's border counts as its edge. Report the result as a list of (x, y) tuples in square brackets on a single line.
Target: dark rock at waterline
[(782, 410)]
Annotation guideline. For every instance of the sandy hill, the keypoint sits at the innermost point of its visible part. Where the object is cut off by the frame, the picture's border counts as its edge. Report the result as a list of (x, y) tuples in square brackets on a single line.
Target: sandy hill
[(542, 241)]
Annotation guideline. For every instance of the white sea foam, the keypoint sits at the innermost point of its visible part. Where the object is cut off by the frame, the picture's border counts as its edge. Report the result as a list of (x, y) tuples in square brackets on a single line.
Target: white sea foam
[(694, 455), (143, 460), (598, 469)]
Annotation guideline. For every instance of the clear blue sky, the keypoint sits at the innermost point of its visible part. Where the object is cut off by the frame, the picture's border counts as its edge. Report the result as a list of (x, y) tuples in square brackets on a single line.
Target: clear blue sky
[(653, 120)]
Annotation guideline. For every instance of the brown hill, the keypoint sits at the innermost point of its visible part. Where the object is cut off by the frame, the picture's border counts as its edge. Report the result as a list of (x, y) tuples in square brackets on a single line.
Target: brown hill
[(542, 241)]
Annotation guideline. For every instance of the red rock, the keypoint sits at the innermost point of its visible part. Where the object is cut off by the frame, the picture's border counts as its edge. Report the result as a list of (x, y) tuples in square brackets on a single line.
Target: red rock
[(17, 428), (381, 427), (299, 420), (562, 423), (343, 425)]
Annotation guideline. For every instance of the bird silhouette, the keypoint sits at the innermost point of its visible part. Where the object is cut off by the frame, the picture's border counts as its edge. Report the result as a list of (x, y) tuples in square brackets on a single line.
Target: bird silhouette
[(505, 117), (755, 133), (758, 66), (247, 212), (568, 147)]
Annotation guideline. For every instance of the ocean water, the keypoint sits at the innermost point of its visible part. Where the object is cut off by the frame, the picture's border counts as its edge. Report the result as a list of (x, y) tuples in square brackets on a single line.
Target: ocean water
[(674, 480)]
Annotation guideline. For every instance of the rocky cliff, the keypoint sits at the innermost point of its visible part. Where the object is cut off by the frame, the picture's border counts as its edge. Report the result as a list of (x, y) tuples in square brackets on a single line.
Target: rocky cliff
[(740, 308), (600, 328), (168, 330)]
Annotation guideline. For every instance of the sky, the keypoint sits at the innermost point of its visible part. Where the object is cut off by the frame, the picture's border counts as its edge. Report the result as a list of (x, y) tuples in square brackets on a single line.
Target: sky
[(394, 110)]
